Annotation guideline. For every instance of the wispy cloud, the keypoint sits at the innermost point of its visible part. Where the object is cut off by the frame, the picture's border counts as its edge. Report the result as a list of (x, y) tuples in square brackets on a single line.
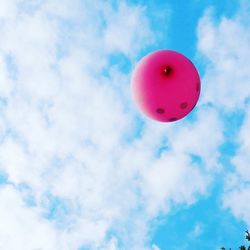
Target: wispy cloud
[(225, 45)]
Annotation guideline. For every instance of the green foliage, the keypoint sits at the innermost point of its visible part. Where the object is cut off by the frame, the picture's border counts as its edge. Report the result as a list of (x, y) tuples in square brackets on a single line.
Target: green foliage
[(241, 247)]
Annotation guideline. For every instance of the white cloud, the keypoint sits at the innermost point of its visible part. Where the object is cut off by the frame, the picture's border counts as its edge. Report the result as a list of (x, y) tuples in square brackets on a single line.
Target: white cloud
[(192, 138), (8, 9), (121, 24), (226, 86), (242, 159), (237, 186), (6, 84), (22, 226), (225, 45), (172, 179), (237, 201), (196, 231)]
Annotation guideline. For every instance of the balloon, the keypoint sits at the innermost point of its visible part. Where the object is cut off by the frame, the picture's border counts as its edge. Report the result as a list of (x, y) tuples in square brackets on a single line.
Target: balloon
[(165, 85)]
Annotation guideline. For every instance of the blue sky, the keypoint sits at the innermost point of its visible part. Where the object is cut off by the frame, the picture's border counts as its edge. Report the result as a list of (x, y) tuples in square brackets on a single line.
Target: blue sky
[(81, 168)]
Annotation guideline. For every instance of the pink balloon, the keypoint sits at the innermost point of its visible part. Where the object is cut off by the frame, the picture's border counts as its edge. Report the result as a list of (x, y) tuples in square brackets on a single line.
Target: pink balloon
[(165, 85)]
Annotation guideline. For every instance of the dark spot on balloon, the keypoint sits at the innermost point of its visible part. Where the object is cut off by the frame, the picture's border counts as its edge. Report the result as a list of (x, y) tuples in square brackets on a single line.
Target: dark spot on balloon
[(198, 88), (172, 119), (160, 111), (167, 70), (183, 105)]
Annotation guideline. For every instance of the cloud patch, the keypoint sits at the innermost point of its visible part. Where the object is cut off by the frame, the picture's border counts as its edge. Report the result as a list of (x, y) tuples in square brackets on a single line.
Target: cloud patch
[(225, 46)]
